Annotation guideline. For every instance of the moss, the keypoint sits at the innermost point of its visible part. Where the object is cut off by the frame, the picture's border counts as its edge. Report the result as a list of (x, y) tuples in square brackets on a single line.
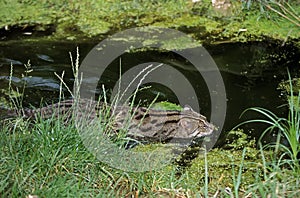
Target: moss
[(223, 164), (167, 106), (94, 18), (223, 167), (179, 43), (284, 86), (238, 140)]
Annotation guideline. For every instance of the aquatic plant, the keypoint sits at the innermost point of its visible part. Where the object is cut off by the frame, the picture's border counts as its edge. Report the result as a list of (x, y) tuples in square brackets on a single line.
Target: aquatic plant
[(288, 128)]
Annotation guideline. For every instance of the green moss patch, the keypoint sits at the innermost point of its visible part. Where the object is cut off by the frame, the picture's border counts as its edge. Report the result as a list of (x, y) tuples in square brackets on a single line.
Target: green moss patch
[(94, 18)]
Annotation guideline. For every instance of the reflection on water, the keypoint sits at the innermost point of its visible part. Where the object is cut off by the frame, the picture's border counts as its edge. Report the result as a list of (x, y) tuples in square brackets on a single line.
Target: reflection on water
[(251, 73)]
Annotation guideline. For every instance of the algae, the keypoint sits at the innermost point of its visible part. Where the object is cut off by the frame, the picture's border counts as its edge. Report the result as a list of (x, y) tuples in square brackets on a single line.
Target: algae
[(74, 19)]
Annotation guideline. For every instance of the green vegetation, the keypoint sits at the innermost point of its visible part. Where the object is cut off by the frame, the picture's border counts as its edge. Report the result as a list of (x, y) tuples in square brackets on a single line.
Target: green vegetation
[(77, 18), (282, 8), (49, 158), (288, 128)]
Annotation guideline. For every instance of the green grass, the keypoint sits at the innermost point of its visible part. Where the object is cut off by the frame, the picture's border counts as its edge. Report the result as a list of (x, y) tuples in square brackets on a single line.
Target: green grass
[(287, 10), (288, 128), (283, 168), (49, 159)]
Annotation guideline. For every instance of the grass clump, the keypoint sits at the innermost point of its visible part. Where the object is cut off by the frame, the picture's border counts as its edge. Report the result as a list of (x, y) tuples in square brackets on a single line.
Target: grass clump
[(287, 128), (281, 168), (284, 9), (49, 159)]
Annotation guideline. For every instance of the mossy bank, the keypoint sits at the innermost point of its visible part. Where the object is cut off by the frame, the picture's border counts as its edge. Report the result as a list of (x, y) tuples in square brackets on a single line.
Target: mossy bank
[(78, 19)]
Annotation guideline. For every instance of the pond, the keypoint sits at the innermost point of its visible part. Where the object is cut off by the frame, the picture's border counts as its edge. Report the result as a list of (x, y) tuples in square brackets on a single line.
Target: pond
[(251, 73)]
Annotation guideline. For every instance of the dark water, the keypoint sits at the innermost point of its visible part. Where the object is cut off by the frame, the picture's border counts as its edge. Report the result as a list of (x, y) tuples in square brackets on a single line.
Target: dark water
[(251, 73)]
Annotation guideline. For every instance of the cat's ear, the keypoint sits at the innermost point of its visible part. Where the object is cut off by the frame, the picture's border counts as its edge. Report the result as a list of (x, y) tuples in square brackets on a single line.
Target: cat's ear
[(187, 108)]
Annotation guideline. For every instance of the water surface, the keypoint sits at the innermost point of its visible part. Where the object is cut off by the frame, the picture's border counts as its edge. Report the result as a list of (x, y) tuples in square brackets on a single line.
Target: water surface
[(251, 73)]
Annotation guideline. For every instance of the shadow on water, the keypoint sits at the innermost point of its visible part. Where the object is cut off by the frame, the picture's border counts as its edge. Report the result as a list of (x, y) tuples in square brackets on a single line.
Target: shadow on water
[(251, 73)]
